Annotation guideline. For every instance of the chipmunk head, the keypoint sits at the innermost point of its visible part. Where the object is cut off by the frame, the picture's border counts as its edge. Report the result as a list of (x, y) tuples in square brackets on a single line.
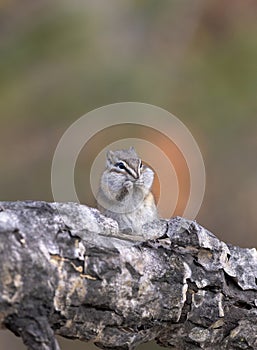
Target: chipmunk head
[(125, 162)]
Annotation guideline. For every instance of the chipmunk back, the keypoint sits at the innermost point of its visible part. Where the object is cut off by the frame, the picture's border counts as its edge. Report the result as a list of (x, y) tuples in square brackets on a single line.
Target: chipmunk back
[(125, 190)]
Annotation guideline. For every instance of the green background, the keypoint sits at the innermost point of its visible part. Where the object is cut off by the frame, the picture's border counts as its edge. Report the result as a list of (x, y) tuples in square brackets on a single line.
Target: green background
[(61, 59)]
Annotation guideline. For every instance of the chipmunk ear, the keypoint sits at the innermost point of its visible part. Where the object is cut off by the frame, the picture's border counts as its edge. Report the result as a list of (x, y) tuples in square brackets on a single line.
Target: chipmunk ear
[(132, 149), (109, 155)]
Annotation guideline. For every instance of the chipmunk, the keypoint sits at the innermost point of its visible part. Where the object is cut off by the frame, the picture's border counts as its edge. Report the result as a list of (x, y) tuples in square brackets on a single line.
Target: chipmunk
[(125, 191)]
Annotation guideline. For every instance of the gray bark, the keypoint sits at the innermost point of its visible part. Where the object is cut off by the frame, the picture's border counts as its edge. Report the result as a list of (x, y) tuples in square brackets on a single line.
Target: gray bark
[(65, 269)]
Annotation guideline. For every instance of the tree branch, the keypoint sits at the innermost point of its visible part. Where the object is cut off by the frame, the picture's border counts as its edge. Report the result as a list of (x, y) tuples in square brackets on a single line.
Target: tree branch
[(65, 269)]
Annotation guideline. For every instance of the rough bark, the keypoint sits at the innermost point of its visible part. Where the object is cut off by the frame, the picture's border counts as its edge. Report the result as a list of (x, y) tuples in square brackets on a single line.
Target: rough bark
[(65, 269)]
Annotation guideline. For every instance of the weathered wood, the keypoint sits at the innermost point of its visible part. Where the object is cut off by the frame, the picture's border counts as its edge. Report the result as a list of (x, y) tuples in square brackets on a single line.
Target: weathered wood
[(65, 269)]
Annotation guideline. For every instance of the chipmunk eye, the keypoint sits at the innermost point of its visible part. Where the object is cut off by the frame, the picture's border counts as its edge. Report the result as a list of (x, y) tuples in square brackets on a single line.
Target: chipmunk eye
[(120, 165)]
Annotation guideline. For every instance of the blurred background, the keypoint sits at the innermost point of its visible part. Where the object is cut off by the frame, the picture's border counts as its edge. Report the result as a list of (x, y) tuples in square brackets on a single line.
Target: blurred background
[(61, 59)]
